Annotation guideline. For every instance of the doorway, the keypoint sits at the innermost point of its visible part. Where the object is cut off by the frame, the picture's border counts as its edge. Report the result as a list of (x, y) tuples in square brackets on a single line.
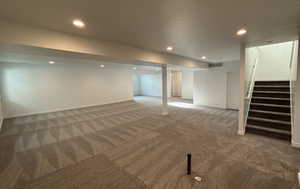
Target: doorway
[(176, 83)]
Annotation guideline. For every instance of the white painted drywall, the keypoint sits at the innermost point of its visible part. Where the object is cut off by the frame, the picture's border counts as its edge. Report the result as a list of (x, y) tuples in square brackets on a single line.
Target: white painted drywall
[(36, 88), (274, 62), (293, 82), (242, 106), (210, 88), (294, 64), (136, 85), (233, 83), (187, 89), (169, 83), (230, 66), (151, 84), (1, 113), (296, 93)]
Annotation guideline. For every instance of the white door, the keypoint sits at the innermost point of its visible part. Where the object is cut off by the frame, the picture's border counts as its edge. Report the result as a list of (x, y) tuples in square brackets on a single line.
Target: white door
[(233, 90)]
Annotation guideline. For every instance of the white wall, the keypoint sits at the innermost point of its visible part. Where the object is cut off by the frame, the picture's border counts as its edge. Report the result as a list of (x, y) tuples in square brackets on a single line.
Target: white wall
[(296, 103), (233, 83), (35, 88), (212, 87), (1, 113), (187, 89), (136, 85), (274, 62), (151, 84), (294, 64), (293, 81)]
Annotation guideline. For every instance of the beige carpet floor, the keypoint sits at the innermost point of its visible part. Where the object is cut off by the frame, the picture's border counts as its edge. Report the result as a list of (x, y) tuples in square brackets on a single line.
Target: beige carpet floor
[(130, 145)]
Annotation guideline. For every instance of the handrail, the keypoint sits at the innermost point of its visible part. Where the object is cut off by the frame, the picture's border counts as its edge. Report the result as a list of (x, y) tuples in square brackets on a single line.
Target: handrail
[(292, 56), (252, 74), (251, 79), (291, 86), (251, 86)]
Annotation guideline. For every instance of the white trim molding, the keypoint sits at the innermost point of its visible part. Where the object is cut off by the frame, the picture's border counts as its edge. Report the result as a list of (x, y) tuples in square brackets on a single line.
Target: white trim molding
[(71, 108), (241, 132), (295, 144)]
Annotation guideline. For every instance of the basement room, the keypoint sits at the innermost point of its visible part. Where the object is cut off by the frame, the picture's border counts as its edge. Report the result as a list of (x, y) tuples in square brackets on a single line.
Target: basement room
[(149, 94)]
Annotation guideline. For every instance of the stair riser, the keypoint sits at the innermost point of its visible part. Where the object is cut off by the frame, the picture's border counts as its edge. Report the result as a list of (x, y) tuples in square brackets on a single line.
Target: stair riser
[(267, 90), (272, 83), (268, 134), (282, 89), (280, 126), (270, 116), (271, 101), (269, 108), (272, 95)]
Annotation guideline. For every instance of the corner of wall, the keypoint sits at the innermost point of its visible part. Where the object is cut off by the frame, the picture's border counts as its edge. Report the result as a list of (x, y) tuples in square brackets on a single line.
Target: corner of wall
[(295, 144), (1, 122), (1, 114), (241, 132)]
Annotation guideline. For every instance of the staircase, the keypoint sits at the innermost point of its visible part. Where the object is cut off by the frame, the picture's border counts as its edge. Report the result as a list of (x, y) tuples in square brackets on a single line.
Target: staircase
[(269, 113)]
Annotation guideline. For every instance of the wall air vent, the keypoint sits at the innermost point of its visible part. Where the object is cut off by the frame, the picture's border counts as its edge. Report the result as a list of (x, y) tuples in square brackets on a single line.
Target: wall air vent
[(215, 65)]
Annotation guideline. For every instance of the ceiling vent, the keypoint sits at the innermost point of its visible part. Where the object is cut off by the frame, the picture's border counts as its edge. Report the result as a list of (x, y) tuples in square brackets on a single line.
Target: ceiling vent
[(215, 65)]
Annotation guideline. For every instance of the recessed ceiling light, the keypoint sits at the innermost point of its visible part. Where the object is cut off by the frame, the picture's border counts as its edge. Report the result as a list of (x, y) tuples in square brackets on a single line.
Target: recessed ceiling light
[(203, 57), (78, 23), (134, 68), (169, 48), (102, 66), (51, 62), (241, 32)]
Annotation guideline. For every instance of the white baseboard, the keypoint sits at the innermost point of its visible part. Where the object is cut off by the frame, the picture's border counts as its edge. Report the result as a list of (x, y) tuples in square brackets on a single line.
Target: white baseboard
[(69, 108), (211, 106), (241, 132), (295, 144)]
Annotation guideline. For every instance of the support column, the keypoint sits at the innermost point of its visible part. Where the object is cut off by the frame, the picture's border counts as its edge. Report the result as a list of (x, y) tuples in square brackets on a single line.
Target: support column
[(296, 125), (164, 90), (241, 129)]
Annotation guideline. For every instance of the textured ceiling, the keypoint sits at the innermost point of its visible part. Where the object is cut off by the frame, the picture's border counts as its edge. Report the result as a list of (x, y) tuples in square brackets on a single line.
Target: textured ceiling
[(195, 28)]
